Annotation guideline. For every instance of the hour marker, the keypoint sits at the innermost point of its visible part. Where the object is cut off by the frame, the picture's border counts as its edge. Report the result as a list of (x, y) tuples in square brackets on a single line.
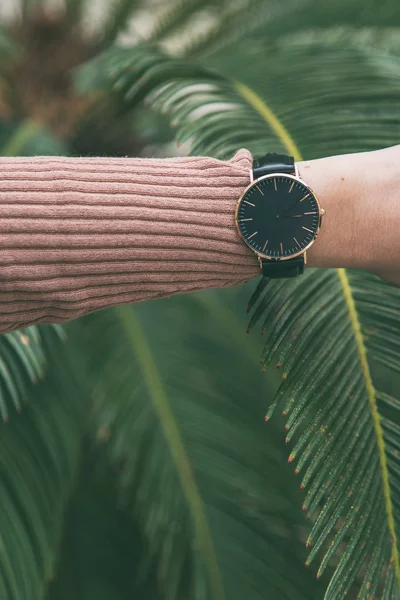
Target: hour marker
[(291, 187), (242, 220), (265, 246), (306, 228), (261, 192), (281, 247), (297, 242), (252, 235), (248, 203), (311, 213), (304, 197), (275, 184)]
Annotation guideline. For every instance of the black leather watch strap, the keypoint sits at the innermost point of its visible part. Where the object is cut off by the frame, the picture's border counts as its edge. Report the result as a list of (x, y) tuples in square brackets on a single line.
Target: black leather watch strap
[(266, 165), (277, 269), (273, 163)]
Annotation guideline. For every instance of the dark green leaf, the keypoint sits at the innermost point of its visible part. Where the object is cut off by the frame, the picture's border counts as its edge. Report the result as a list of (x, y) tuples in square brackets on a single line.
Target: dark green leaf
[(195, 466), (39, 451)]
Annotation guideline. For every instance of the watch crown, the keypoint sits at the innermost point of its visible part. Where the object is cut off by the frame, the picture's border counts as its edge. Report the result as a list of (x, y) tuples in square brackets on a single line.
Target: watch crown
[(322, 211)]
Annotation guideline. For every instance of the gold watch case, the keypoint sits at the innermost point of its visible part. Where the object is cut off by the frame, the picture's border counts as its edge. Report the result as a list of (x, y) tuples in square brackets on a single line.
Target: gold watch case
[(296, 177)]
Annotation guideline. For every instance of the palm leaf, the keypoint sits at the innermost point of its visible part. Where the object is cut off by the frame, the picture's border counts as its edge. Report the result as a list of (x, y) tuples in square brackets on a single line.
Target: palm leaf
[(352, 83), (191, 26), (344, 446), (178, 28), (193, 463), (100, 553), (38, 462), (28, 138), (313, 15), (202, 27), (176, 15), (118, 19), (347, 320), (23, 362)]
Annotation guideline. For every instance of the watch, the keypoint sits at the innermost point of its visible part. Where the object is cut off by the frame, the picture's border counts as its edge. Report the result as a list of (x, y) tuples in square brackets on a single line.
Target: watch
[(278, 216)]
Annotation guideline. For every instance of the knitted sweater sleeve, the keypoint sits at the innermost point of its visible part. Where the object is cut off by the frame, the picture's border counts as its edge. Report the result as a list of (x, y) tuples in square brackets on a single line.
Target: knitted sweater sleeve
[(81, 234)]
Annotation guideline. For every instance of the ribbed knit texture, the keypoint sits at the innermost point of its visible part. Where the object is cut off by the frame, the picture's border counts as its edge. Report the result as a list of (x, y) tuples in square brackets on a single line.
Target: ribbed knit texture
[(81, 234)]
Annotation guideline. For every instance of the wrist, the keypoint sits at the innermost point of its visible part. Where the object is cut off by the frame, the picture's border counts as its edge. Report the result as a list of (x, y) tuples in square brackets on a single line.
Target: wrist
[(360, 194), (337, 242)]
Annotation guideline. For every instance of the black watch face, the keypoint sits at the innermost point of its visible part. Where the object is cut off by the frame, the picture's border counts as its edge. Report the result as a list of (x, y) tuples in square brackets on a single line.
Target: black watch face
[(278, 216)]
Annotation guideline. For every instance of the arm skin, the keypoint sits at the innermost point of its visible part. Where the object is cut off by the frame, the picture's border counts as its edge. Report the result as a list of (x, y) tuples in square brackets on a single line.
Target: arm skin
[(361, 196)]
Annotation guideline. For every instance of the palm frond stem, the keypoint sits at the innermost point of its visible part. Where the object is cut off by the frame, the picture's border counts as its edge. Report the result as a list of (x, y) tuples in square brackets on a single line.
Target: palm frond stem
[(160, 402)]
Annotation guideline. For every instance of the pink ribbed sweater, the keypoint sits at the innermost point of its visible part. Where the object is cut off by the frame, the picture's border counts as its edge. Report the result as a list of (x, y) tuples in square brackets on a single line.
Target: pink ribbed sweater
[(81, 234)]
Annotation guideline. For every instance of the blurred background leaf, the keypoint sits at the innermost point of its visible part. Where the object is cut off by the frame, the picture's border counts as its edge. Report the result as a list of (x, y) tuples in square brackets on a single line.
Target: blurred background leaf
[(39, 455), (209, 520)]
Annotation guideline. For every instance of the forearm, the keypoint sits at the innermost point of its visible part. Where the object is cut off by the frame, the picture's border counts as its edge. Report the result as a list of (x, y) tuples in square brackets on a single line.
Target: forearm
[(81, 234), (361, 196)]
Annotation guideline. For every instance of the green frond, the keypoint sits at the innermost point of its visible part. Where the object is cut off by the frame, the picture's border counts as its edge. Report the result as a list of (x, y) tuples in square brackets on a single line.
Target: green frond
[(175, 15), (230, 22), (367, 39), (188, 26), (179, 26), (195, 466), (28, 138), (23, 362), (314, 15), (39, 451), (100, 554), (219, 113), (117, 21), (342, 445), (326, 329)]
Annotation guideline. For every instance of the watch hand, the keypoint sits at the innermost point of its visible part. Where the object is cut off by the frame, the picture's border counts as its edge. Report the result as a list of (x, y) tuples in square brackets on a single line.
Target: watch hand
[(294, 204), (291, 207), (288, 216)]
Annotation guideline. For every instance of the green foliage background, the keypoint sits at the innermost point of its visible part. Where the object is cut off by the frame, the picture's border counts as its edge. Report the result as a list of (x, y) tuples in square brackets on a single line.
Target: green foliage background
[(134, 457)]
